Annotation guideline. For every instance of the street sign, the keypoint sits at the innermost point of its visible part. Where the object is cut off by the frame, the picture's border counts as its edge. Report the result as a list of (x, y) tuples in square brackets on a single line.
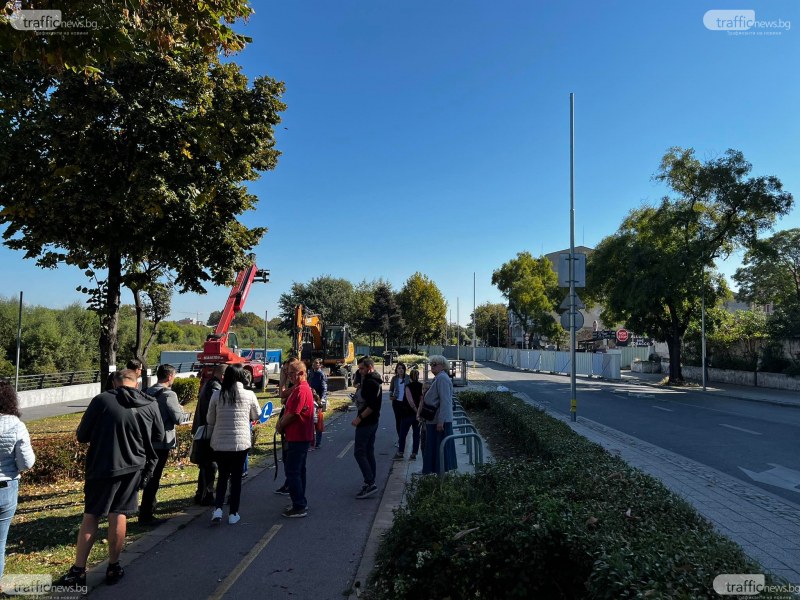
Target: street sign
[(563, 270), (578, 320), (622, 336), (566, 304)]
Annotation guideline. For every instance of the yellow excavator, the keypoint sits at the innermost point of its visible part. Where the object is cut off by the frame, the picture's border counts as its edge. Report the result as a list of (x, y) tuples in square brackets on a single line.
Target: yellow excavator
[(314, 339)]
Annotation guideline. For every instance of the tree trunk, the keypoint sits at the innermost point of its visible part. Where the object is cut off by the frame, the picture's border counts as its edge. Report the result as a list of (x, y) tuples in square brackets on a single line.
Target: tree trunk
[(110, 322), (674, 345)]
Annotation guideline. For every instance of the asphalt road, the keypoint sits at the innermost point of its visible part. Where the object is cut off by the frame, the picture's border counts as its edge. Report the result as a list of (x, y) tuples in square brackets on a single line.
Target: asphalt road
[(731, 435), (266, 555)]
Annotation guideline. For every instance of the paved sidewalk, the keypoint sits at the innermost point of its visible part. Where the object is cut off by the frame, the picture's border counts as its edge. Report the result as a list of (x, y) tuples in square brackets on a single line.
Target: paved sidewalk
[(766, 526)]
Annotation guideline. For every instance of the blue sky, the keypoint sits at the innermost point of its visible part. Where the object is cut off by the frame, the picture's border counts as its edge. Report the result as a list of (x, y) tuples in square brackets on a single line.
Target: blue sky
[(434, 136)]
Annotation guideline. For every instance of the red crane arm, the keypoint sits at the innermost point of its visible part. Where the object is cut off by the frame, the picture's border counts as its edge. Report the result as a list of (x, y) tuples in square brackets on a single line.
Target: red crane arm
[(237, 297)]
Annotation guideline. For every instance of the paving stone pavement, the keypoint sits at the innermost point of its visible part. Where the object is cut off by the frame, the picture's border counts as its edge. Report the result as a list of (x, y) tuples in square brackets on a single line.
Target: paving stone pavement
[(766, 526)]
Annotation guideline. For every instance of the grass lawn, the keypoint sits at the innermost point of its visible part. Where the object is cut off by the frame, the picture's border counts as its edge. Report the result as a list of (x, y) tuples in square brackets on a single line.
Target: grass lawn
[(43, 532)]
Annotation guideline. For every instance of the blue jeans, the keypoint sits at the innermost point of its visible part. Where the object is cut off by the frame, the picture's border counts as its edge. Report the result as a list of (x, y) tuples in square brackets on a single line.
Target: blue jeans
[(8, 506), (364, 451), (407, 423), (295, 467), (430, 453)]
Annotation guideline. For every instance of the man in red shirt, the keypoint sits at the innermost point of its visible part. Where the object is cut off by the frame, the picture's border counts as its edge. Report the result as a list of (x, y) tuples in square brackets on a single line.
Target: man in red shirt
[(297, 426)]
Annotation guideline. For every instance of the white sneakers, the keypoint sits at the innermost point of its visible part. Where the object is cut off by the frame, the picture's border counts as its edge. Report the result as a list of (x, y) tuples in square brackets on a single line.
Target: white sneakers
[(216, 517)]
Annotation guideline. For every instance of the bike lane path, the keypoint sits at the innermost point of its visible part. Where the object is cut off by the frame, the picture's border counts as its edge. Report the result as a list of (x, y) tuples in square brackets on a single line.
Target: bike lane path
[(265, 554)]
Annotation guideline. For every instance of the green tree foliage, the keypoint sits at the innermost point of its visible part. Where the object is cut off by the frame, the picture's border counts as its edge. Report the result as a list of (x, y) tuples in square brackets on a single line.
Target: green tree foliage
[(771, 275), (649, 273), (492, 323), (423, 308), (52, 340), (385, 318), (333, 299), (243, 319), (531, 287), (119, 30), (150, 169)]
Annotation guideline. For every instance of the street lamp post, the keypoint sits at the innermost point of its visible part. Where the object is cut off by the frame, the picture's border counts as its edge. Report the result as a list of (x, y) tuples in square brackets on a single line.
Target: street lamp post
[(703, 306)]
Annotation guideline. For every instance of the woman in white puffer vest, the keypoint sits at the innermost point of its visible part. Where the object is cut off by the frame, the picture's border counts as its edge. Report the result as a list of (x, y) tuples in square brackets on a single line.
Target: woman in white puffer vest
[(16, 454), (230, 412)]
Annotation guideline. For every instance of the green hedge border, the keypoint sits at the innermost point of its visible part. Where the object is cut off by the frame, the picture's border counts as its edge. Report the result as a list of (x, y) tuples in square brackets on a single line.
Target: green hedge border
[(565, 519)]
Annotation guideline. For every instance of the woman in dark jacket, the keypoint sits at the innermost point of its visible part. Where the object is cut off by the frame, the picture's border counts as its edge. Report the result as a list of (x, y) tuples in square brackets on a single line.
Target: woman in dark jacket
[(397, 394), (413, 397)]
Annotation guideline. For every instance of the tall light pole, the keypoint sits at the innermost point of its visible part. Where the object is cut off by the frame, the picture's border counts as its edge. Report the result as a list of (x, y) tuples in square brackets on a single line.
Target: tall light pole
[(266, 362), (573, 409), (19, 344), (474, 320), (458, 331), (703, 306)]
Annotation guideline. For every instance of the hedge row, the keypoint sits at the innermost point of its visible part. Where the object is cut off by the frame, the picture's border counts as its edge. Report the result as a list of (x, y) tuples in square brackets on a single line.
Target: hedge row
[(60, 457), (564, 520)]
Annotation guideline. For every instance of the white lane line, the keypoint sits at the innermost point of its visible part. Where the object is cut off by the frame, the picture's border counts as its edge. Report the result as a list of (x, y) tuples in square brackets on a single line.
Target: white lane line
[(750, 431), (662, 408), (346, 448), (242, 566)]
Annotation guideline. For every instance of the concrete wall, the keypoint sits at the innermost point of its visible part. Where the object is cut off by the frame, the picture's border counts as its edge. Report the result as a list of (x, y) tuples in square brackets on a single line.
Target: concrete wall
[(765, 380), (69, 393)]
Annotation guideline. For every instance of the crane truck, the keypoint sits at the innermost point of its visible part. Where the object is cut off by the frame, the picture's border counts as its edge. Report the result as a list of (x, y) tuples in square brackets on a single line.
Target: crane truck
[(314, 339), (222, 346)]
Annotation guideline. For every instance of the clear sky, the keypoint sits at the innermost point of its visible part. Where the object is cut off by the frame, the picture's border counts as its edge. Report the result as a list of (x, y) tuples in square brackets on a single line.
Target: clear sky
[(433, 135)]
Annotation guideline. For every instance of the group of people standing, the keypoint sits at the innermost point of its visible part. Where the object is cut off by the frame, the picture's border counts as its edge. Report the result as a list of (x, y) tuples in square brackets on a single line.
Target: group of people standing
[(408, 395), (130, 434)]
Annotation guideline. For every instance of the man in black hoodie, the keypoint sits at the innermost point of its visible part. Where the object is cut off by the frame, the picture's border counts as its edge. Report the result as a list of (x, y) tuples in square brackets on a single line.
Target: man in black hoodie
[(366, 424), (121, 426)]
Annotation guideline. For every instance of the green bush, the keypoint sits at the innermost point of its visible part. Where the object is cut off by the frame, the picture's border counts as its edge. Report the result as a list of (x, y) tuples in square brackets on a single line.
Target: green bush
[(474, 400), (59, 457), (186, 388), (773, 359), (565, 519)]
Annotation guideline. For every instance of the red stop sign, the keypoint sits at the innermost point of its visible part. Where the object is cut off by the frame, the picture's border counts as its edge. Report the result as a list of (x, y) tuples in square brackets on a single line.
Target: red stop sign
[(622, 335)]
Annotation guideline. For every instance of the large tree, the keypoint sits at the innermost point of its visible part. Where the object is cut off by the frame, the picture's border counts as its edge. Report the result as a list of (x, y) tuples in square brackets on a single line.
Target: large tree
[(384, 317), (531, 287), (150, 169), (108, 31), (491, 321), (771, 270), (333, 299), (649, 274), (423, 308)]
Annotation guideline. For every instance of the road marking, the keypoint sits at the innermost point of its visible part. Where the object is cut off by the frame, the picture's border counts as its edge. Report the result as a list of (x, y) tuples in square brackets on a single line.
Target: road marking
[(228, 582), (346, 448), (778, 476), (740, 429), (662, 408)]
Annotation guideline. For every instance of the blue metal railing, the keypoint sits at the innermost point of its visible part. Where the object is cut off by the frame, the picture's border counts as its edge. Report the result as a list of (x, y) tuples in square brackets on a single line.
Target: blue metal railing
[(54, 380)]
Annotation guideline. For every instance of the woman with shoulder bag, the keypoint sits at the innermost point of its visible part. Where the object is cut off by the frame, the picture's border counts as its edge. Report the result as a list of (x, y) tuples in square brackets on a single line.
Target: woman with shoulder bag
[(436, 409), (413, 400)]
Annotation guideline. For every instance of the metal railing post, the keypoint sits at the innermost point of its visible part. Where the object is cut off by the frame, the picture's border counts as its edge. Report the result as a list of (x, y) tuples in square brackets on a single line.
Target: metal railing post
[(479, 454)]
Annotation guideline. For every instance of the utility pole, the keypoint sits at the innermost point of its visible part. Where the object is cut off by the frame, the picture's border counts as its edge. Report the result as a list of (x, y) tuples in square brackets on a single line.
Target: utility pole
[(573, 408), (474, 320), (19, 344), (266, 362), (458, 329)]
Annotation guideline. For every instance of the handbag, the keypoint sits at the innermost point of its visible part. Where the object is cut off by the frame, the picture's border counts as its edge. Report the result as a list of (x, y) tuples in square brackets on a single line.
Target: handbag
[(201, 447), (428, 411)]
